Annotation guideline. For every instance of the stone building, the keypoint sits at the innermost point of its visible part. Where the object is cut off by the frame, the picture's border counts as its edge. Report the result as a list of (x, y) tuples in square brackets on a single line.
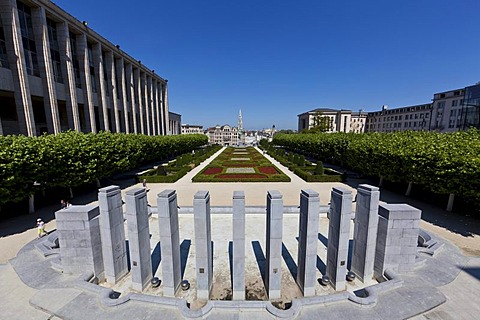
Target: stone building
[(56, 73), (174, 123), (341, 120), (191, 129), (414, 118), (223, 135), (447, 110)]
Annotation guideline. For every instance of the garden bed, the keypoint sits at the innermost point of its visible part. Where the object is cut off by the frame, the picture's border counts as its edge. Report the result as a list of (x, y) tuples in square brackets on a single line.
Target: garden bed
[(250, 166)]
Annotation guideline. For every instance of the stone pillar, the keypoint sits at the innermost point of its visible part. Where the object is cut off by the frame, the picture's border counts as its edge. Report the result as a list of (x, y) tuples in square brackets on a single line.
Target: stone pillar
[(238, 276), (79, 238), (160, 108), (158, 104), (338, 237), (16, 60), (102, 87), (397, 237), (39, 22), (273, 243), (151, 98), (307, 242), (131, 91), (122, 96), (169, 241), (82, 49), (203, 244), (146, 105), (66, 59), (138, 89), (365, 231), (112, 87), (139, 238), (165, 108), (113, 233)]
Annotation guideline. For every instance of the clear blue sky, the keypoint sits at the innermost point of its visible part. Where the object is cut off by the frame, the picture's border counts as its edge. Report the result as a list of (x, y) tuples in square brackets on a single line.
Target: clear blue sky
[(275, 59)]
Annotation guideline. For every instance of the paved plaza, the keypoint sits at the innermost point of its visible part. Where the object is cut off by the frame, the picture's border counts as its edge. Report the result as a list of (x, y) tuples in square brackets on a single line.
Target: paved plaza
[(445, 286)]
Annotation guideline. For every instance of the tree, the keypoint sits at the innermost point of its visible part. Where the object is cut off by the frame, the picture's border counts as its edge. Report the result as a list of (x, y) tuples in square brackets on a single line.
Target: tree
[(321, 123)]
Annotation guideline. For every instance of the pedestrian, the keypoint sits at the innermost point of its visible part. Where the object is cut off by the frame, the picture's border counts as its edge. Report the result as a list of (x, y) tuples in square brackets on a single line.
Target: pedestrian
[(63, 204), (67, 203), (41, 228), (144, 183)]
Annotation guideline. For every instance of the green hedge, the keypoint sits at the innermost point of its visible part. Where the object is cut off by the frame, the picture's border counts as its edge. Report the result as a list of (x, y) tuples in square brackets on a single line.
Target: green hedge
[(71, 159), (182, 165), (442, 162)]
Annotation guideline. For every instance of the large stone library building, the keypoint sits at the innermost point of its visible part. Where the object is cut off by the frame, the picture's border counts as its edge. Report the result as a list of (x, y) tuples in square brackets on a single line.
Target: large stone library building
[(56, 74)]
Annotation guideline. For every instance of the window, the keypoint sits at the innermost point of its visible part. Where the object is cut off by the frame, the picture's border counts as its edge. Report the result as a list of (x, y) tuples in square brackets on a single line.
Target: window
[(454, 103), (54, 50), (91, 68), (28, 39), (76, 64), (3, 48)]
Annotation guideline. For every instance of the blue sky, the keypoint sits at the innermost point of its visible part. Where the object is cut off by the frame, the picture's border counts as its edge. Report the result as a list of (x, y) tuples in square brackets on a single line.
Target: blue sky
[(277, 59)]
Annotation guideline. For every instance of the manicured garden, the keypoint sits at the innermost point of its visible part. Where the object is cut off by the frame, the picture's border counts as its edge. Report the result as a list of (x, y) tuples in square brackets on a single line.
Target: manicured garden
[(180, 166), (241, 165), (306, 170)]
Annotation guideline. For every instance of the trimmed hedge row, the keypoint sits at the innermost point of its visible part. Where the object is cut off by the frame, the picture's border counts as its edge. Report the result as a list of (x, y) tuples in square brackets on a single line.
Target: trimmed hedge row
[(182, 165), (301, 167), (71, 158), (443, 162)]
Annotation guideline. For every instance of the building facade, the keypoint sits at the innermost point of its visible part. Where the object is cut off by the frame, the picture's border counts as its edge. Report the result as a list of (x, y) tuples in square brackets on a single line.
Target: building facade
[(471, 108), (174, 123), (224, 135), (340, 120), (192, 129), (58, 74), (415, 118), (447, 110)]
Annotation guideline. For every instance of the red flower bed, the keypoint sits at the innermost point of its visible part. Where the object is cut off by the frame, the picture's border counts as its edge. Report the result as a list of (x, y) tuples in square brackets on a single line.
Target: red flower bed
[(214, 170), (234, 176), (268, 170)]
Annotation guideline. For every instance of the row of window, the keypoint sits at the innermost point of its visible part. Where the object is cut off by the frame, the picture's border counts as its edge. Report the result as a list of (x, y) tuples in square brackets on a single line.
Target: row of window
[(400, 117)]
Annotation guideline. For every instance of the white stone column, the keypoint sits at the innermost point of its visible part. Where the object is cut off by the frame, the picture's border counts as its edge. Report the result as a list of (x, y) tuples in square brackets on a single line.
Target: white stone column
[(122, 97), (139, 237), (365, 231), (160, 108), (238, 255), (153, 95), (338, 237), (110, 63), (112, 233), (307, 242), (165, 109), (138, 88), (273, 243), (66, 59), (82, 51), (146, 106), (169, 241), (39, 22), (131, 90), (101, 94), (158, 105), (203, 246), (16, 59)]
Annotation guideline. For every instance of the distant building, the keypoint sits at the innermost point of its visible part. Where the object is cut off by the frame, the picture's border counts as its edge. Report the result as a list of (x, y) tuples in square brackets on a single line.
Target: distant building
[(415, 118), (223, 135), (191, 129), (174, 123), (341, 120), (447, 110), (471, 108), (58, 74)]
